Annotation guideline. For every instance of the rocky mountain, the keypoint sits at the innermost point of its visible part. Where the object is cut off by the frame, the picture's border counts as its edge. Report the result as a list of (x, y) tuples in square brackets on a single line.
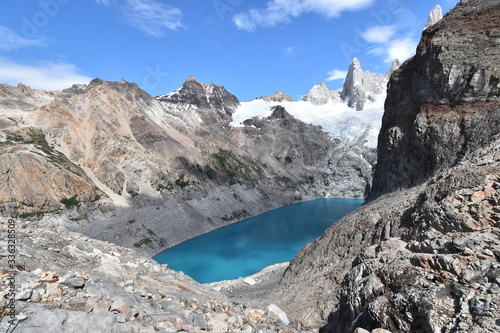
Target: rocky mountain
[(424, 254), (395, 65), (458, 93), (346, 172), (279, 96), (110, 161), (320, 94), (212, 104), (361, 88), (435, 15)]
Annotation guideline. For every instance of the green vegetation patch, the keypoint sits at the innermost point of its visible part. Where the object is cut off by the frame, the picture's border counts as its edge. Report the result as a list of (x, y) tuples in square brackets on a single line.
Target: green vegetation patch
[(144, 241), (68, 202), (38, 139), (37, 215), (236, 215), (181, 182)]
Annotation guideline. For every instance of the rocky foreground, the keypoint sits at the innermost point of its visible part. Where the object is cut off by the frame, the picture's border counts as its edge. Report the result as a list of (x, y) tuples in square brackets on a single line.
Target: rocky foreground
[(68, 282)]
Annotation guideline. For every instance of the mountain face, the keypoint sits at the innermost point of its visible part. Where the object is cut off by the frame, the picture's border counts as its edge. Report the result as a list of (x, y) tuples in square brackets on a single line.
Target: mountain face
[(361, 88), (320, 94), (437, 103), (214, 105), (279, 96), (434, 16), (304, 156), (423, 254)]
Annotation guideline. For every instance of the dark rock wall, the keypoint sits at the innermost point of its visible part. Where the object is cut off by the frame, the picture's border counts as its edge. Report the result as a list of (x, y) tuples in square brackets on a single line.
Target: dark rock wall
[(443, 103)]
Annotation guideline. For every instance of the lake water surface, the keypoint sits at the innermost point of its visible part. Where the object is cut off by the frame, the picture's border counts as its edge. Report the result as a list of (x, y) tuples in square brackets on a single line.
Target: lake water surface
[(246, 247)]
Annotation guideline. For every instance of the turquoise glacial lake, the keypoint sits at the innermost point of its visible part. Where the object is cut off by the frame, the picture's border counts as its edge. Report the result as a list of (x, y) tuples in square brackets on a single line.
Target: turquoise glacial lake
[(246, 247)]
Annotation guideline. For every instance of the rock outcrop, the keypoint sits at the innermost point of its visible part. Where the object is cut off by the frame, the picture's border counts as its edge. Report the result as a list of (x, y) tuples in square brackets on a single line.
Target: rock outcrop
[(435, 15), (361, 88), (320, 94), (279, 96), (394, 66), (424, 254)]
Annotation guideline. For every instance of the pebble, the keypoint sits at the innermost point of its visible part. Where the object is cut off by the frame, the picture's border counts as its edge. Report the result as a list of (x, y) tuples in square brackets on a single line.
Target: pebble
[(494, 289), (75, 282)]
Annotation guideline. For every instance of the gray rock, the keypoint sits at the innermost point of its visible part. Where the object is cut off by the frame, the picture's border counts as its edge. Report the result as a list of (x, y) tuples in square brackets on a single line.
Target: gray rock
[(274, 312), (479, 306), (74, 282), (24, 293), (435, 15), (360, 330), (360, 87), (494, 289), (197, 319)]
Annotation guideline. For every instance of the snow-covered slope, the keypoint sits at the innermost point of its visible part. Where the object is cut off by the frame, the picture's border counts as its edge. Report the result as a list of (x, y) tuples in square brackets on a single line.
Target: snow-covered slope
[(338, 120), (355, 120)]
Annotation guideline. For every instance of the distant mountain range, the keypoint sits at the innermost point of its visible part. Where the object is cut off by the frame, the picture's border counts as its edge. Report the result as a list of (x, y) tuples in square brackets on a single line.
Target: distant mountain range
[(108, 151)]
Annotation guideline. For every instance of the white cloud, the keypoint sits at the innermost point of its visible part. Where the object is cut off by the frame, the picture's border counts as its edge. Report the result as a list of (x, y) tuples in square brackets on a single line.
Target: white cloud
[(390, 42), (401, 49), (10, 40), (336, 74), (43, 75), (379, 34), (290, 51), (284, 11), (150, 16)]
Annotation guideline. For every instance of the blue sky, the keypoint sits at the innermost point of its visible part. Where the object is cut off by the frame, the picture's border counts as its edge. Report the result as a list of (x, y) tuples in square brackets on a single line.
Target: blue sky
[(253, 48)]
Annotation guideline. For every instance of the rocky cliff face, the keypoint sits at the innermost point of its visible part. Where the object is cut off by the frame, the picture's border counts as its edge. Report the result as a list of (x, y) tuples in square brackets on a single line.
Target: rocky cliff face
[(304, 158), (444, 103), (424, 256)]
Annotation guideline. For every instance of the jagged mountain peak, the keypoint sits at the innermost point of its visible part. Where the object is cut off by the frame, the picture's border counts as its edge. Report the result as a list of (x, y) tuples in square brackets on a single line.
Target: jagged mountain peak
[(361, 87), (278, 96), (214, 104), (435, 15), (395, 65), (191, 78), (355, 63), (320, 94)]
